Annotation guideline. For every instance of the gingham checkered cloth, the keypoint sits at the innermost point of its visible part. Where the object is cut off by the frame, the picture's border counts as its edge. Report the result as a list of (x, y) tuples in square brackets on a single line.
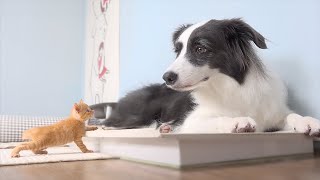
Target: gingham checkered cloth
[(12, 126)]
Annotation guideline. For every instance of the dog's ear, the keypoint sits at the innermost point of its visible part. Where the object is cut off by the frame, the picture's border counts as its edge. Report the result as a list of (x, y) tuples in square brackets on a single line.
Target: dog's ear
[(237, 28), (179, 31)]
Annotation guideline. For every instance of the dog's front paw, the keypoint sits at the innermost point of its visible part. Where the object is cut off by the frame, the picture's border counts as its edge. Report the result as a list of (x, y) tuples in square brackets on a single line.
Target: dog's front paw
[(243, 124), (307, 125)]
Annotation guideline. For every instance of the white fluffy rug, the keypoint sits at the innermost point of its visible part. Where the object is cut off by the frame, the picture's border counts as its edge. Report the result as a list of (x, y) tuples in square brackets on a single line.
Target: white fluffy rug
[(56, 154)]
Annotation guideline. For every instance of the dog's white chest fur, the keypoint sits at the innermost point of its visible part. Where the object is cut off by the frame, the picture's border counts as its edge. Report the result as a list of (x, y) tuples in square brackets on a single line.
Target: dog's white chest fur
[(221, 98)]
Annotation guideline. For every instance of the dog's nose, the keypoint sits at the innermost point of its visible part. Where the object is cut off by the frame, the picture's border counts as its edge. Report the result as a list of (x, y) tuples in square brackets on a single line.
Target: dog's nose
[(170, 77)]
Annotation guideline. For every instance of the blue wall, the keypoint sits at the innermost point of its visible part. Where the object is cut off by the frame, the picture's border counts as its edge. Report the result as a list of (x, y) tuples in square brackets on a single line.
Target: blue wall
[(291, 26), (42, 56), (42, 47)]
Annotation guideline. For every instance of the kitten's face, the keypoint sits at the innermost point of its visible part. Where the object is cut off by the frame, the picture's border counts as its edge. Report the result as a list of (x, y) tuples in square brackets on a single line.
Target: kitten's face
[(82, 111)]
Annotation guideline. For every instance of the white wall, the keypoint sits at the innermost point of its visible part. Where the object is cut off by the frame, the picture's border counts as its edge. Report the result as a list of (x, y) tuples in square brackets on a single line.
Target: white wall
[(42, 55), (291, 26), (1, 55)]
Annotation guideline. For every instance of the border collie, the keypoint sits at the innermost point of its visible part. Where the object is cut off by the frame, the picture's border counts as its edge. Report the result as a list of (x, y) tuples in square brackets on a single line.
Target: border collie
[(217, 84)]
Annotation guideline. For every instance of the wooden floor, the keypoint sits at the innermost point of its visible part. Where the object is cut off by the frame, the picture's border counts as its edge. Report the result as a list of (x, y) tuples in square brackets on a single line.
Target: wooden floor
[(304, 169)]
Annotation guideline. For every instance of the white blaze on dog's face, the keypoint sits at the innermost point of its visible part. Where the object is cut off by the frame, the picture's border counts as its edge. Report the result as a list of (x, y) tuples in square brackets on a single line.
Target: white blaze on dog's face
[(210, 47), (188, 74)]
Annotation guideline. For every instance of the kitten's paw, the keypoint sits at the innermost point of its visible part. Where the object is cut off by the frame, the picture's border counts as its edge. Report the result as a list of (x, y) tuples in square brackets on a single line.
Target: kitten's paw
[(243, 124), (165, 128), (88, 151), (307, 125), (40, 152), (91, 128), (15, 155)]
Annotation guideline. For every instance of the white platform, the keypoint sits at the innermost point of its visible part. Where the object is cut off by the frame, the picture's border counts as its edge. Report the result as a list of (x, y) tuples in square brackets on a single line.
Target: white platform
[(180, 150)]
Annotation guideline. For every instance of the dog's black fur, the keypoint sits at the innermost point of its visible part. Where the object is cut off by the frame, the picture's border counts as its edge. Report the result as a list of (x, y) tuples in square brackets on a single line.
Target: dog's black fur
[(152, 104)]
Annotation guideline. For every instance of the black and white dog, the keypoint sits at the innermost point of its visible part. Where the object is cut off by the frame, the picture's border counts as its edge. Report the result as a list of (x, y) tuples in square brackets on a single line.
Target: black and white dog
[(217, 84)]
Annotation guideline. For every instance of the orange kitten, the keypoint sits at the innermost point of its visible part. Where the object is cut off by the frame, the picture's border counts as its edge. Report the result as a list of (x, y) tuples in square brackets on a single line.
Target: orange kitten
[(71, 129)]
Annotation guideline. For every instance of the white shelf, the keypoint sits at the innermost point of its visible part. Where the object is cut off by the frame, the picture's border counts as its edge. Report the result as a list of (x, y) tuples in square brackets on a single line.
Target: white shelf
[(181, 150)]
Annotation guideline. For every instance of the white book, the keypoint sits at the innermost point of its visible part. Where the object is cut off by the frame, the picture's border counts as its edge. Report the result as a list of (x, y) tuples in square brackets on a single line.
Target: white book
[(181, 150)]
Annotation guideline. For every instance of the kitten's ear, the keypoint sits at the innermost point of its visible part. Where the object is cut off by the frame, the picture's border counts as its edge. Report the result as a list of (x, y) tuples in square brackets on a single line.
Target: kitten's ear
[(81, 102), (76, 107)]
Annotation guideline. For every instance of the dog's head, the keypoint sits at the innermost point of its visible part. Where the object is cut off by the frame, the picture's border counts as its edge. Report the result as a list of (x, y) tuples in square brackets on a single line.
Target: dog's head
[(215, 46)]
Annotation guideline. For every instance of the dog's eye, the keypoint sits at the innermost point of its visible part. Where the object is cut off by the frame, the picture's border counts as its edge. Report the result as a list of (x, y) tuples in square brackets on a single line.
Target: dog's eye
[(201, 50)]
